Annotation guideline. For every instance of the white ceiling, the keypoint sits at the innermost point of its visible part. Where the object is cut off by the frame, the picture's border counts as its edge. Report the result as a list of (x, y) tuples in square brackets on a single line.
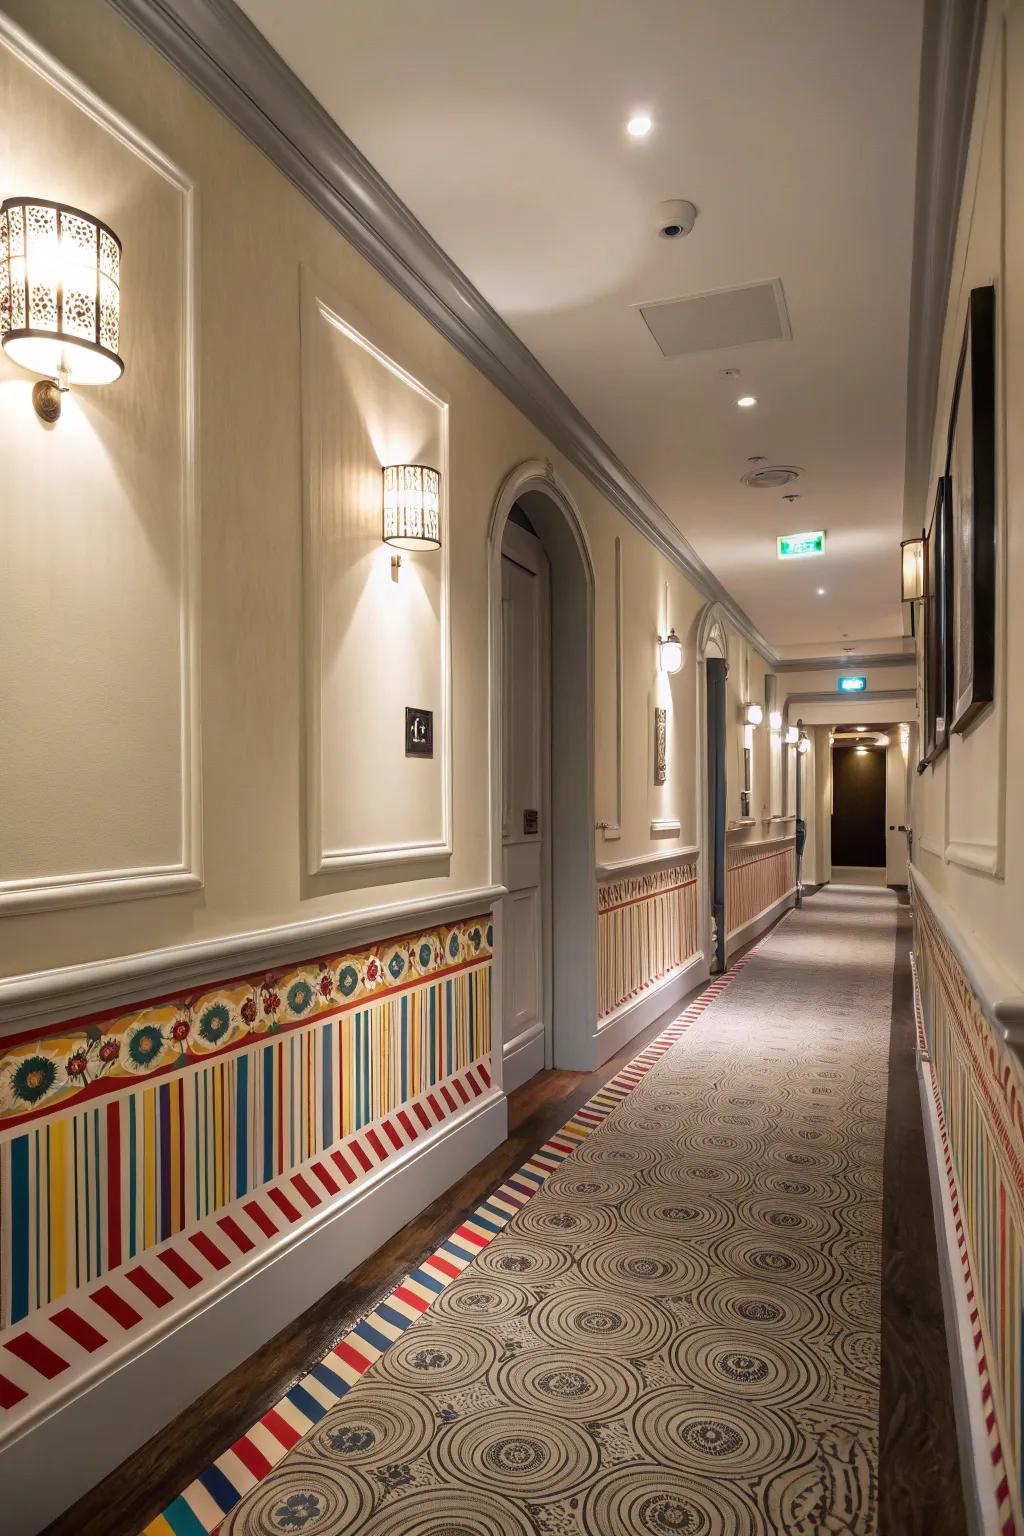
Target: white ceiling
[(791, 124)]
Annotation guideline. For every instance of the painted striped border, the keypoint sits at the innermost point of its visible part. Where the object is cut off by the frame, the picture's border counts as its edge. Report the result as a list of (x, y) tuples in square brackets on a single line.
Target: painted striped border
[(201, 1508)]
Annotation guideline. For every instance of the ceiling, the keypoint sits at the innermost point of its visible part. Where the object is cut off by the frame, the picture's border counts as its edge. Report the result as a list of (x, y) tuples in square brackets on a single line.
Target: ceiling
[(791, 126)]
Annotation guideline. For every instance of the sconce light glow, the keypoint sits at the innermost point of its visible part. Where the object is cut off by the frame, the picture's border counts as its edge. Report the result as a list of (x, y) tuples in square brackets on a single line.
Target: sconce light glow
[(803, 746), (60, 297), (912, 570), (775, 720), (746, 402), (412, 500), (792, 736), (639, 126), (670, 652), (755, 714), (883, 741)]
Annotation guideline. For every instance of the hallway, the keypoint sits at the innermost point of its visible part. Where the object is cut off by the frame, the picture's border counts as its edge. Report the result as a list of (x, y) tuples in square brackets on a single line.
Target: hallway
[(678, 1332)]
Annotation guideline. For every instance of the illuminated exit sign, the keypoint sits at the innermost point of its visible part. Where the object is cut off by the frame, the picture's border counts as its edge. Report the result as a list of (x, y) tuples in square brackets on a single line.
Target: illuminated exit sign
[(852, 684), (794, 546)]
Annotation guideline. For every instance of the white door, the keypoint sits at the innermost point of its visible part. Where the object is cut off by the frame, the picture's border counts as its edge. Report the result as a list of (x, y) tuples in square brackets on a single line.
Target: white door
[(524, 806)]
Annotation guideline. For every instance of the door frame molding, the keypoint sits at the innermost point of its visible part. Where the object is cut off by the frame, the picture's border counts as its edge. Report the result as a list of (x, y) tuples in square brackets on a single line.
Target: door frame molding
[(575, 1047), (712, 640)]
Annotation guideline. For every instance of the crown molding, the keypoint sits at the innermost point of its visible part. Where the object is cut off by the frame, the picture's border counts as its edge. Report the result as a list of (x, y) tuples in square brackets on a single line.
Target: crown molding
[(220, 52), (844, 663), (950, 58), (829, 694)]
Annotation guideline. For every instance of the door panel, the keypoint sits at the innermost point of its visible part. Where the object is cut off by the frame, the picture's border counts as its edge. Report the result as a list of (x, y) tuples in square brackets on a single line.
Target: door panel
[(524, 802), (858, 807)]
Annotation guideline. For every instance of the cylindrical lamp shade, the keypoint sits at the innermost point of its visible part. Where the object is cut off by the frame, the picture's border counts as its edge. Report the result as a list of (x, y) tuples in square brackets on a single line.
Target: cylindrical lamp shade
[(670, 652), (412, 500), (60, 295), (912, 570), (755, 714)]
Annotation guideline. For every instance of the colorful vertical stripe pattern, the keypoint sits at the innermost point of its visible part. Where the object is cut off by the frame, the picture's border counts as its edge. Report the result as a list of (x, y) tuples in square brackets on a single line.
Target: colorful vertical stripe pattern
[(646, 928), (201, 1508), (756, 877), (980, 1095), (84, 1190)]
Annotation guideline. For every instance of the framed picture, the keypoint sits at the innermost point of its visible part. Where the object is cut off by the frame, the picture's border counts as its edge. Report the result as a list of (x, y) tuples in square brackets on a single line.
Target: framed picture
[(937, 649), (971, 469)]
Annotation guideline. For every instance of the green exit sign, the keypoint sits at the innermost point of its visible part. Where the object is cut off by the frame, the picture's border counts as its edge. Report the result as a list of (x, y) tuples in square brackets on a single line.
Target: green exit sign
[(794, 546)]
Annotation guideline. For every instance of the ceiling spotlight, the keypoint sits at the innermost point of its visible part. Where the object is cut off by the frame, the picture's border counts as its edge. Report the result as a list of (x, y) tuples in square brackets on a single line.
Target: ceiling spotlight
[(640, 126), (746, 401), (821, 591), (862, 751), (860, 727)]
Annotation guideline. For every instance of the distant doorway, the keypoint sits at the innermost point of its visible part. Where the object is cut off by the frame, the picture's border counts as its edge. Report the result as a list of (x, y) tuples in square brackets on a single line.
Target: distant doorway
[(858, 808)]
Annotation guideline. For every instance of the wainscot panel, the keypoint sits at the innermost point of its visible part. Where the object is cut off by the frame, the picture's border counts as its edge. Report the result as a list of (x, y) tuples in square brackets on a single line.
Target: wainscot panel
[(646, 929), (148, 1155), (760, 884)]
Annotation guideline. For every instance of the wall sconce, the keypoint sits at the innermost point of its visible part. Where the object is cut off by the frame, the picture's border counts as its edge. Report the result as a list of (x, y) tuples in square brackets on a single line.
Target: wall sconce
[(754, 714), (60, 297), (775, 719), (412, 508), (670, 652), (912, 570), (803, 746), (792, 735), (882, 741)]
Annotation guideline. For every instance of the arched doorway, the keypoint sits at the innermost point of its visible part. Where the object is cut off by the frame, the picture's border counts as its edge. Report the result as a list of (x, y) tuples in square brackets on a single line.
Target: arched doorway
[(712, 671), (542, 748)]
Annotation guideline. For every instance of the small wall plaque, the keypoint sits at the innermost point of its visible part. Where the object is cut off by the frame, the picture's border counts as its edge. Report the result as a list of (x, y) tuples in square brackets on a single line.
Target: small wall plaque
[(419, 732), (660, 728), (531, 822)]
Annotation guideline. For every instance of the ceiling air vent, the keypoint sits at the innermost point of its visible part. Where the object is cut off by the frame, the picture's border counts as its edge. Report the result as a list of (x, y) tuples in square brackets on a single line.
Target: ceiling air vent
[(771, 477), (709, 322)]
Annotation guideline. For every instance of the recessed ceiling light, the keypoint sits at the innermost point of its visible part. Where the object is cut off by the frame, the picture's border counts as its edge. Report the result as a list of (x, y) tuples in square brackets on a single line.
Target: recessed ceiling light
[(640, 126), (746, 401), (821, 591)]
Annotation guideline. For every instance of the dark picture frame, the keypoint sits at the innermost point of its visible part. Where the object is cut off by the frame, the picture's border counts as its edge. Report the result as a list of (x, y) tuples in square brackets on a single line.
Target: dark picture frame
[(971, 472), (938, 652)]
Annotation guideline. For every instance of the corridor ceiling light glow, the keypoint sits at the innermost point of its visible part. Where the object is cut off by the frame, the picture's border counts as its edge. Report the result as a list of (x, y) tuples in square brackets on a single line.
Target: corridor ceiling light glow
[(60, 297), (775, 720), (797, 546), (862, 751), (640, 126), (755, 714), (746, 402), (912, 570), (851, 684), (821, 591), (792, 736), (670, 652), (412, 506)]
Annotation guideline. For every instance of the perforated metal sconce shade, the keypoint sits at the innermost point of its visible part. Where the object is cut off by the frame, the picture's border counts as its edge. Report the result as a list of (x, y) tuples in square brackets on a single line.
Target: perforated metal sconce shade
[(412, 500), (60, 294)]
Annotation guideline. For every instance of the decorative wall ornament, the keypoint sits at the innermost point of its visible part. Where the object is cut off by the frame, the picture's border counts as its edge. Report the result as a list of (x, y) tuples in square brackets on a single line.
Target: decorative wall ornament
[(419, 732), (60, 297), (660, 745)]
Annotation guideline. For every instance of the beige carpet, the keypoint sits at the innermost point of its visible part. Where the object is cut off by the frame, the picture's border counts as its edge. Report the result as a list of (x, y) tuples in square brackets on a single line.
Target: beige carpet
[(679, 1334)]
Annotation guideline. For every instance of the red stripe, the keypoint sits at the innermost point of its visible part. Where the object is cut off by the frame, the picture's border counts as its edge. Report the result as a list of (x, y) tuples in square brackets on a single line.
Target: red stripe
[(435, 1106), (325, 1178), (259, 1217), (482, 1069), (392, 1135), (471, 1080), (149, 1286), (446, 1095), (421, 1115), (407, 1125), (116, 1307), (443, 1265), (229, 1226), (360, 1156), (376, 1143), (280, 1429), (78, 1329), (471, 1237), (410, 1298), (251, 1457), (460, 1090), (113, 1184), (205, 1245), (37, 1354), (10, 1395), (351, 1357), (306, 1190), (346, 1170), (283, 1204), (179, 1267)]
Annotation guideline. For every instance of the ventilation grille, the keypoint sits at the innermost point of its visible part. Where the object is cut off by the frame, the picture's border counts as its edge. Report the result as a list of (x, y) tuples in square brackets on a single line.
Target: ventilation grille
[(771, 477), (711, 322)]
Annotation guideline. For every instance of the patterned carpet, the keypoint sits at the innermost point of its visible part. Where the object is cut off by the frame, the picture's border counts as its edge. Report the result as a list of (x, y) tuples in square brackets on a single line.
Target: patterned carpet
[(679, 1334)]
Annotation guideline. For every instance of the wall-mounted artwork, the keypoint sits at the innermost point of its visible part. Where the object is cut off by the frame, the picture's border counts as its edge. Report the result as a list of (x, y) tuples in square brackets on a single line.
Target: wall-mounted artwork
[(419, 732), (971, 468), (938, 654), (660, 734)]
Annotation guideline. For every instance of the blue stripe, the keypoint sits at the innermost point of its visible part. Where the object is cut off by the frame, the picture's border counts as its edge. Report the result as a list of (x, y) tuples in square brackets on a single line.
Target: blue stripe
[(182, 1520), (306, 1403), (329, 1379), (396, 1319), (268, 1112), (371, 1336), (220, 1488), (19, 1227), (242, 1127), (482, 1221), (422, 1278), (469, 1252)]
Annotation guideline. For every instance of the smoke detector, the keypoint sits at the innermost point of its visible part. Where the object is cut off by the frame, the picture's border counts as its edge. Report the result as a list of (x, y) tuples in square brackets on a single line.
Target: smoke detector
[(772, 477)]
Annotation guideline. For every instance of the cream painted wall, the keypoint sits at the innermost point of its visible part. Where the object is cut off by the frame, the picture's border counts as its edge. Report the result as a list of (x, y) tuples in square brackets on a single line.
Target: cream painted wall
[(255, 233), (968, 832)]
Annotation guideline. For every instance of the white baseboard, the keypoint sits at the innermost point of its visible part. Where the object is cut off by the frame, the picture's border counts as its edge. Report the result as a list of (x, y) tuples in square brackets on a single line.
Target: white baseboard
[(757, 925), (86, 1438), (619, 1028), (980, 1503), (523, 1058)]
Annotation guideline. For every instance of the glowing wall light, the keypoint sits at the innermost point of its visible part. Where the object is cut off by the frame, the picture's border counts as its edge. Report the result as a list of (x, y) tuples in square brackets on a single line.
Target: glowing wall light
[(755, 714), (775, 720), (670, 652), (60, 297), (792, 736), (912, 570)]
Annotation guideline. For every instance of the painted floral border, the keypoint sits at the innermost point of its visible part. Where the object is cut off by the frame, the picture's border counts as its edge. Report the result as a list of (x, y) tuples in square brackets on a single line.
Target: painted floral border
[(102, 1053)]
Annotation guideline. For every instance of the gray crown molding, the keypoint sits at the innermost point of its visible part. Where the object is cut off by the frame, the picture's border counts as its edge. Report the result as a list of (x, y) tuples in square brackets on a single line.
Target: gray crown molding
[(950, 57), (828, 694), (999, 997), (844, 663), (40, 998), (220, 52)]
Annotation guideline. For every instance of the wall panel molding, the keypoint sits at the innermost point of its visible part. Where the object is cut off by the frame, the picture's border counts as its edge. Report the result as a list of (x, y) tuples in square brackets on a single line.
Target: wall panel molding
[(90, 887)]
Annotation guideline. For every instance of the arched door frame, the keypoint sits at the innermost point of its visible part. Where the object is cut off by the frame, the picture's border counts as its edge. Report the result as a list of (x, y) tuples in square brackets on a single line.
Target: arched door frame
[(573, 917), (712, 640)]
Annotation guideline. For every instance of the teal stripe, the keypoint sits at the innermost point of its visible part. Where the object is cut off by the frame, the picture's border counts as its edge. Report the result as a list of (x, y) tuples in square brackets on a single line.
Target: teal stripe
[(133, 1177)]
